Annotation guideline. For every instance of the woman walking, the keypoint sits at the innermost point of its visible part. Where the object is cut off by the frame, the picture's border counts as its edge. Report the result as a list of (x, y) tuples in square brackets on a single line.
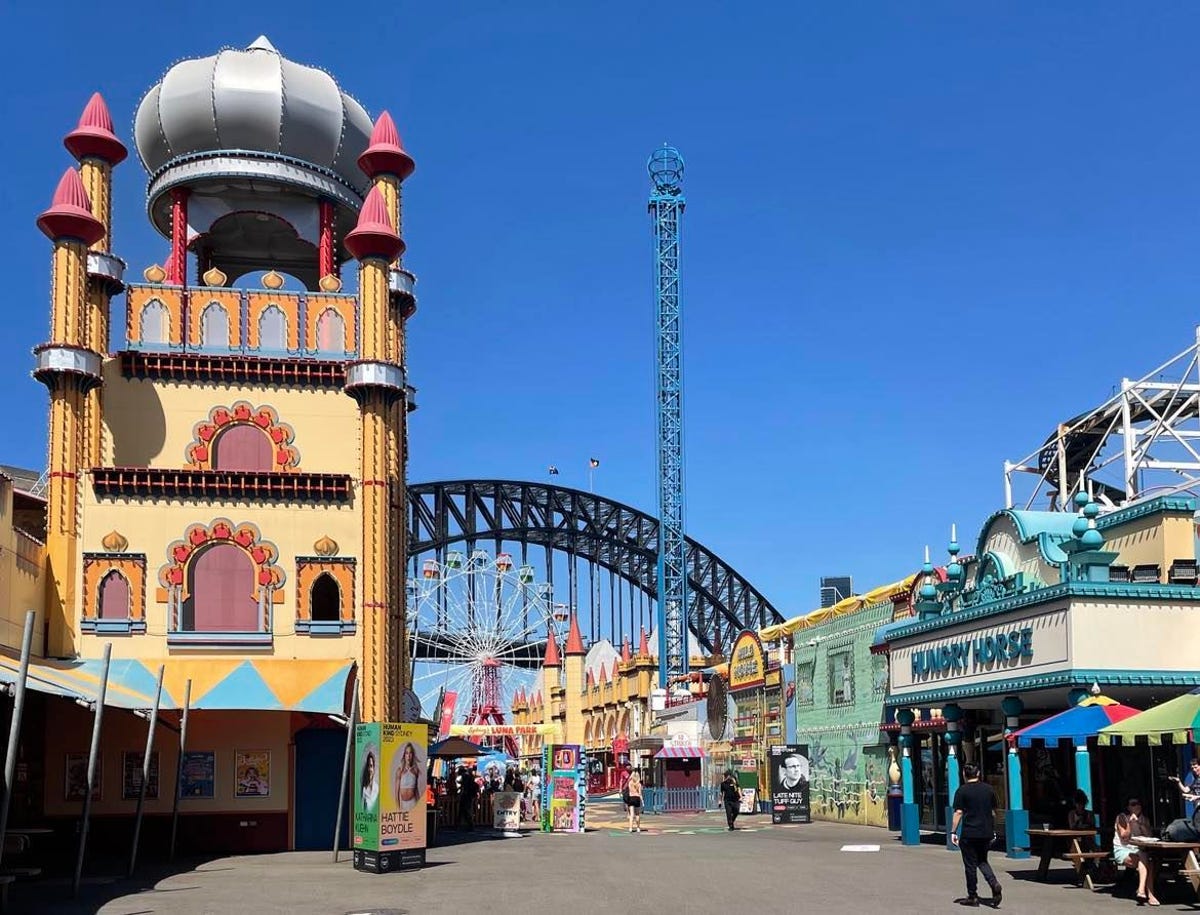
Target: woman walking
[(633, 800)]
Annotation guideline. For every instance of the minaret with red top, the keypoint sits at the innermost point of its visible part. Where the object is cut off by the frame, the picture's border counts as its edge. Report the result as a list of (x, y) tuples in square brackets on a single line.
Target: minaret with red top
[(574, 682)]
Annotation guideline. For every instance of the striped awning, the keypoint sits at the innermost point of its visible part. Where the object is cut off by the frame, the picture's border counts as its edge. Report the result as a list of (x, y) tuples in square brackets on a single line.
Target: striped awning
[(674, 752), (234, 684)]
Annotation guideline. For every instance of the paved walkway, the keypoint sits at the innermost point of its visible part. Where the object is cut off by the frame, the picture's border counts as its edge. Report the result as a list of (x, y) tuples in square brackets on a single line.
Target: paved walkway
[(680, 863)]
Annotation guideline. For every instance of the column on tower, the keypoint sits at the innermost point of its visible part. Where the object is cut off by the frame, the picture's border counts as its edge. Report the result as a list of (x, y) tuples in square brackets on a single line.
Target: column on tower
[(387, 164), (377, 383), (94, 144), (69, 369)]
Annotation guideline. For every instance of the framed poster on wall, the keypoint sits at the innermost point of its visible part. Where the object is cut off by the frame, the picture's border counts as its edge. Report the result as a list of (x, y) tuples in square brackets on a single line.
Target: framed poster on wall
[(131, 775), (76, 777), (199, 774), (252, 773)]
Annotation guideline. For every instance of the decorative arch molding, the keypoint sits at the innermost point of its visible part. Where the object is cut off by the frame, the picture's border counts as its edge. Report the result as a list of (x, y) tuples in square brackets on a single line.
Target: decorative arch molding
[(97, 567), (309, 570), (268, 578), (201, 451)]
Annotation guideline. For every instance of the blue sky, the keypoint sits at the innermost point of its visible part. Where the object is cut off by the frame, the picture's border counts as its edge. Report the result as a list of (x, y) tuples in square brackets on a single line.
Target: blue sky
[(917, 237)]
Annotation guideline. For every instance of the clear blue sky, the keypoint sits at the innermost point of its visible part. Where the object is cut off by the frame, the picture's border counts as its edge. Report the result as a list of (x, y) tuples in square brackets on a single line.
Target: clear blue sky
[(917, 237)]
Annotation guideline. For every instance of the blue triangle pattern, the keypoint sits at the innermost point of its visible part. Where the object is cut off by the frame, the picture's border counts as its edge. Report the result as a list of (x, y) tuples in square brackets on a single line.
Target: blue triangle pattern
[(329, 697), (242, 688)]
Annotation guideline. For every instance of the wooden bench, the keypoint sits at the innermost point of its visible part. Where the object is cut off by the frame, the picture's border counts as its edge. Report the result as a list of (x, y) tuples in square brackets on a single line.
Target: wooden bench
[(1079, 858)]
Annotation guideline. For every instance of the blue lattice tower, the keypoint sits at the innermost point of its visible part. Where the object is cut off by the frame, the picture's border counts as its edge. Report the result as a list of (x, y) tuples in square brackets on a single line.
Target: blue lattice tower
[(666, 208)]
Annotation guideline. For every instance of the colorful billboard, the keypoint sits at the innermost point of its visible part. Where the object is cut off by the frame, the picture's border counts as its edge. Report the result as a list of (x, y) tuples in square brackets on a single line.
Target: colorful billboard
[(788, 771), (564, 788), (389, 796)]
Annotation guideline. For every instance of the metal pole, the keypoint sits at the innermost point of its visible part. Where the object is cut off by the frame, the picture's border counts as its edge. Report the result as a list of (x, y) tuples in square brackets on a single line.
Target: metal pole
[(91, 769), (187, 702), (337, 826), (146, 756), (14, 730)]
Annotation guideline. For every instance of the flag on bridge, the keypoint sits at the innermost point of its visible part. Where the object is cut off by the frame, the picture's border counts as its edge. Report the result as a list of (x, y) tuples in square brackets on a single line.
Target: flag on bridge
[(594, 463), (552, 470)]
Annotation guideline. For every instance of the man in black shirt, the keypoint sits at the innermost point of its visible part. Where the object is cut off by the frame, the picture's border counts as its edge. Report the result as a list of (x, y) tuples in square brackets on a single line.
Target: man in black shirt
[(975, 812)]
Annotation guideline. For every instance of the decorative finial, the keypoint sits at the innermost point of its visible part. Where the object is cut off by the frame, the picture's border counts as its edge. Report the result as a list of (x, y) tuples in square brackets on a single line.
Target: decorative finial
[(272, 280), (214, 277), (70, 213), (330, 283), (1095, 690), (326, 546), (374, 236), (114, 542), (93, 136), (154, 273)]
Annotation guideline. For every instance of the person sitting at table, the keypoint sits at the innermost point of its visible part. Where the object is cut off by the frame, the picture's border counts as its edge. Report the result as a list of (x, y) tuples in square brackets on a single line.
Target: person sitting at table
[(1079, 816), (1131, 825), (1187, 829)]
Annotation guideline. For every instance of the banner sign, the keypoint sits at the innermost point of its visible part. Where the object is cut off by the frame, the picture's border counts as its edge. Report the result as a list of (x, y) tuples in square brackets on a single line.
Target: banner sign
[(446, 716), (389, 796), (748, 663), (788, 772), (502, 730), (564, 788)]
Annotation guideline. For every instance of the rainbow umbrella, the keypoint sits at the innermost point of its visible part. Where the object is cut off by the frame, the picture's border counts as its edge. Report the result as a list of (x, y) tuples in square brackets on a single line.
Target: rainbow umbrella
[(1178, 718), (1076, 724)]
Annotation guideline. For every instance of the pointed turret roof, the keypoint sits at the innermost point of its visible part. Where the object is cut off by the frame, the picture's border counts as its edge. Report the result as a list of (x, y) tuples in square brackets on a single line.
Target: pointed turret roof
[(70, 213), (626, 651), (93, 136), (374, 236), (262, 43), (385, 153), (603, 677), (589, 681), (574, 644), (644, 645), (551, 659), (612, 673)]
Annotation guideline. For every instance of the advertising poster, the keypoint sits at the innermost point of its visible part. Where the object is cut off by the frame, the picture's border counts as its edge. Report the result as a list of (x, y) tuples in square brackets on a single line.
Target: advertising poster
[(564, 789), (506, 810), (76, 782), (788, 772), (131, 775), (199, 774), (389, 798), (252, 773)]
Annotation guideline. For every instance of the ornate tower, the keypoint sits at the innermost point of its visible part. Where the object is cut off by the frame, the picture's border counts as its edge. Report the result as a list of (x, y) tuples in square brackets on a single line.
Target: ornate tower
[(69, 366)]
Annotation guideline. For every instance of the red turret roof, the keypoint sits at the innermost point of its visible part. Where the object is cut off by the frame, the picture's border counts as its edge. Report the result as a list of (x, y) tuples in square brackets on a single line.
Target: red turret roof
[(374, 236), (644, 645), (551, 659), (93, 137), (574, 644), (70, 213), (385, 153), (589, 681), (626, 651), (537, 698), (603, 673), (612, 673)]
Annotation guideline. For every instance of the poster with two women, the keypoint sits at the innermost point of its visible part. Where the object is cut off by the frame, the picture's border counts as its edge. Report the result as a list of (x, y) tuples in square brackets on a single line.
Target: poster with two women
[(389, 796)]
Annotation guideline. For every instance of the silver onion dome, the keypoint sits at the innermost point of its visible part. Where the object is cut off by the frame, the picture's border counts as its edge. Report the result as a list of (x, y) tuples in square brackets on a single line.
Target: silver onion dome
[(251, 131)]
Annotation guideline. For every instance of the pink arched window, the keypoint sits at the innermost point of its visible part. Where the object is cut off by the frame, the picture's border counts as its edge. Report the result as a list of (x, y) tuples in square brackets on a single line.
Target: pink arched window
[(221, 586), (113, 597), (243, 447), (331, 332)]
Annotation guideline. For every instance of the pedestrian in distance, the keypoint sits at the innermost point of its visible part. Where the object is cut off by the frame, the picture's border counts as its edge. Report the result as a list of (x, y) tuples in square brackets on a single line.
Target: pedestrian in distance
[(972, 830), (632, 796), (731, 796)]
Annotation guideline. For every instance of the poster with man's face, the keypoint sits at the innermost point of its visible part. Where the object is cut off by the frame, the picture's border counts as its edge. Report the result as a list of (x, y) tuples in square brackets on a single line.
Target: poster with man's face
[(788, 767)]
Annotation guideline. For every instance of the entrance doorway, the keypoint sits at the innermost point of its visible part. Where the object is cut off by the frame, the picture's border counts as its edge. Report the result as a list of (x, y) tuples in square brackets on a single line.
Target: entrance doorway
[(319, 755)]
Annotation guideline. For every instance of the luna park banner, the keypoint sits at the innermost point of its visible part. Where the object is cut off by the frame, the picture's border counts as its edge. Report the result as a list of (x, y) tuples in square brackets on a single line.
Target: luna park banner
[(788, 774)]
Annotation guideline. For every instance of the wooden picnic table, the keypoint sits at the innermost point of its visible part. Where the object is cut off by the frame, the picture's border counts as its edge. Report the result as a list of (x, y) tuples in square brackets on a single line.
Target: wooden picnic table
[(1158, 851), (1051, 838)]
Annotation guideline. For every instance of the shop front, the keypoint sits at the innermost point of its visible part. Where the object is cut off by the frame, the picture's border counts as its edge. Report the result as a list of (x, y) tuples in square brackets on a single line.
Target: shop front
[(1019, 634), (758, 690)]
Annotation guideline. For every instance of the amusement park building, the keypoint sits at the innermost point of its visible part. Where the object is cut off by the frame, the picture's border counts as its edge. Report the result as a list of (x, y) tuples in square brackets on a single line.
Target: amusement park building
[(202, 513)]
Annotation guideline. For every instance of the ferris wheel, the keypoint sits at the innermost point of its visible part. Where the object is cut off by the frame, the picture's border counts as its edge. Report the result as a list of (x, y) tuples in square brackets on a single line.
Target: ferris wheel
[(477, 628)]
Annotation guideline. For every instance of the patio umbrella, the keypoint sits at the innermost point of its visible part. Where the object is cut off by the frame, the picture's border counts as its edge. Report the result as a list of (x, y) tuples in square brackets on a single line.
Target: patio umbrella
[(455, 748), (1178, 718), (1076, 724)]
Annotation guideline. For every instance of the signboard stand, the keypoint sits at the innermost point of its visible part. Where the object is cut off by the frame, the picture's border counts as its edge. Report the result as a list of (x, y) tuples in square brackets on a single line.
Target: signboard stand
[(564, 788), (389, 797), (788, 771)]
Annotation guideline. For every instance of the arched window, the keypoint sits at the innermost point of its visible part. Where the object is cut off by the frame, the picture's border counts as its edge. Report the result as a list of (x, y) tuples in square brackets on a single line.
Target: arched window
[(156, 322), (214, 327), (221, 592), (331, 332), (272, 330), (325, 600), (243, 446), (113, 597)]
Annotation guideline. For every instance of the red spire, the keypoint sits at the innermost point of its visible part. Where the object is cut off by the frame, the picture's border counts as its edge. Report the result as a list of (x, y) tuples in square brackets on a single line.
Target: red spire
[(626, 653), (93, 137), (385, 154), (612, 673), (574, 644), (591, 681), (374, 236), (537, 698), (644, 645), (70, 213), (603, 673), (551, 659)]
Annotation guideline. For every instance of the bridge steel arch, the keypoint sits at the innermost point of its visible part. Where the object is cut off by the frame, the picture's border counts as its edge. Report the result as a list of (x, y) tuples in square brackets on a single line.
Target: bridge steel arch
[(590, 527)]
